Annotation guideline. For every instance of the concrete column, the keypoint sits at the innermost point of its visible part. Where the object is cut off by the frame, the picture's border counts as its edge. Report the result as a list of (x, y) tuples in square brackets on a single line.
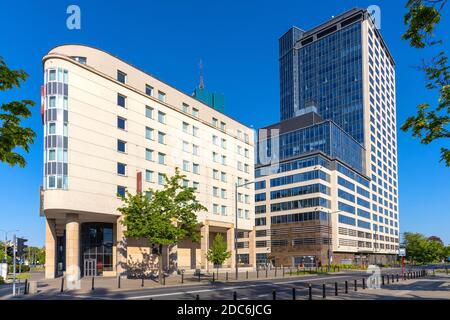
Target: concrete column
[(121, 249), (72, 246), (230, 247), (251, 248), (50, 248), (204, 245)]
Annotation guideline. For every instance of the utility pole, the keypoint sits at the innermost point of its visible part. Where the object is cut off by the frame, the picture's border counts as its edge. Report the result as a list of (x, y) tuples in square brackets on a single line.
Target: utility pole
[(14, 265)]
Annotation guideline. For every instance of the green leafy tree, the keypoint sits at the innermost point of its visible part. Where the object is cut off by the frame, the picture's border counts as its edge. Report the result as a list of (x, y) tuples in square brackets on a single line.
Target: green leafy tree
[(431, 123), (165, 219), (12, 134), (218, 253), (421, 249)]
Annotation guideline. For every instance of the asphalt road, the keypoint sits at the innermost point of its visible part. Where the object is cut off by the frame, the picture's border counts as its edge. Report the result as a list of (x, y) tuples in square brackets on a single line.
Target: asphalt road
[(245, 290)]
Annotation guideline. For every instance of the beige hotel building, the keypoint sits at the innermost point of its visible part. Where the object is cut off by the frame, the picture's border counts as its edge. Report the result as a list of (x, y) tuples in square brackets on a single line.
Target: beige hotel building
[(110, 127)]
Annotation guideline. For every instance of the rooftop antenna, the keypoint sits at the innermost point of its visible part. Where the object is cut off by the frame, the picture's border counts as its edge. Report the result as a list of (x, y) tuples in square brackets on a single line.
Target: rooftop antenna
[(201, 86)]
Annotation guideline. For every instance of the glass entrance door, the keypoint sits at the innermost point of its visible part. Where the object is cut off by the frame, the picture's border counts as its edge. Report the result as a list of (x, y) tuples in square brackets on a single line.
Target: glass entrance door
[(90, 269)]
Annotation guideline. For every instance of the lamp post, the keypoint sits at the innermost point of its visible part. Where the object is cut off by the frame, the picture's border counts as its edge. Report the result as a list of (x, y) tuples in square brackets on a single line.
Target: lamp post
[(236, 186)]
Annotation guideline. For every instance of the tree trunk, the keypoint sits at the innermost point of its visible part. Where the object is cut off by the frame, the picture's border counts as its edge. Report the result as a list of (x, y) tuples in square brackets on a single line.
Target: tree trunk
[(160, 261)]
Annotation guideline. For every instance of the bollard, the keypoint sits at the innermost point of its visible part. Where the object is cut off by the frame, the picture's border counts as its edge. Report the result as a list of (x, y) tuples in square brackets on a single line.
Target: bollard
[(246, 274), (346, 286), (182, 276), (197, 297), (363, 283), (356, 285), (226, 276), (266, 272), (213, 277), (324, 292), (404, 276), (397, 277), (382, 280), (164, 279), (310, 292), (392, 278), (92, 283), (25, 289), (283, 271), (199, 274), (234, 295), (257, 273), (290, 272), (118, 282), (62, 284), (275, 272), (142, 281), (335, 288), (237, 275), (387, 279), (293, 293), (274, 294)]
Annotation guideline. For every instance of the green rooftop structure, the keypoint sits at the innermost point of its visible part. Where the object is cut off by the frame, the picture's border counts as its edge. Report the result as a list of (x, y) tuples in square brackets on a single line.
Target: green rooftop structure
[(213, 99)]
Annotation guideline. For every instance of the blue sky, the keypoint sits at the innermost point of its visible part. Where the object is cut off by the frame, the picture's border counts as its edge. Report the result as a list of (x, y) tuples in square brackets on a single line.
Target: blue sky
[(237, 41)]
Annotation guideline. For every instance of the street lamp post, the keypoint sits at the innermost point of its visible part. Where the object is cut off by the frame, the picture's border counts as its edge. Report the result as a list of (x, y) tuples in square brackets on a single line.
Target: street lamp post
[(236, 186)]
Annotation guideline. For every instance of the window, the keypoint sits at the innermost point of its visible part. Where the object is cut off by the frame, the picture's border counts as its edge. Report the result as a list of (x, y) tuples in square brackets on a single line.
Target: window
[(186, 146), (215, 122), (65, 129), (215, 209), (216, 192), (149, 112), (195, 186), (215, 157), (185, 183), (246, 153), (196, 168), (161, 158), (215, 140), (195, 150), (121, 100), (161, 179), (121, 76), (121, 146), (51, 182), (148, 175), (52, 102), (223, 193), (195, 131), (148, 154), (161, 117), (121, 168), (121, 191), (161, 137), (185, 127), (52, 75), (148, 133), (185, 165), (148, 194), (223, 210), (224, 160), (195, 112), (246, 168), (216, 174), (223, 177), (52, 128), (161, 96), (222, 126), (185, 107), (148, 90), (52, 155), (224, 143), (121, 123)]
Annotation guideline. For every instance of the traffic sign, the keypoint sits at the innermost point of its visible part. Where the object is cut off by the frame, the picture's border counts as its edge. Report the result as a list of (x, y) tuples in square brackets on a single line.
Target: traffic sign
[(402, 252)]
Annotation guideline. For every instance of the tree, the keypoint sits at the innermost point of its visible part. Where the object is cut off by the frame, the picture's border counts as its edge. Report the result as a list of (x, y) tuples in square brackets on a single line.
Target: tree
[(165, 219), (12, 135), (430, 123), (218, 253), (421, 249)]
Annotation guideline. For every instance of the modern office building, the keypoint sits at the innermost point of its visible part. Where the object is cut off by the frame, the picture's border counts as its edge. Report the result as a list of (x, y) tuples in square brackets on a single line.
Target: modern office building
[(110, 127), (340, 172)]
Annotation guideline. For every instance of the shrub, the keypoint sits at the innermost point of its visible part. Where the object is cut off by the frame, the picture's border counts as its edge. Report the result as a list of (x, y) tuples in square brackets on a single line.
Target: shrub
[(1, 280)]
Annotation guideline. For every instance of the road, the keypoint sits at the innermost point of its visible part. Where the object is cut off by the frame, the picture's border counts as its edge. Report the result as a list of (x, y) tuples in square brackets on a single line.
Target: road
[(247, 290)]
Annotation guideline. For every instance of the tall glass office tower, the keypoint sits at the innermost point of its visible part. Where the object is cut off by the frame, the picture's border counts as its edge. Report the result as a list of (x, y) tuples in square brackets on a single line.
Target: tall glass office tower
[(343, 71)]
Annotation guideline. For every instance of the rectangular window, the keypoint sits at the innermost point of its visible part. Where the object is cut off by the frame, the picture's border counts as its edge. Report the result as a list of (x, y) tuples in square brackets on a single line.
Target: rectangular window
[(52, 155), (195, 150), (195, 186), (223, 177), (196, 168), (185, 165), (223, 210), (215, 192), (121, 123), (223, 193), (185, 107), (195, 131), (121, 168), (148, 90), (52, 102), (121, 76), (195, 112), (149, 112), (52, 75), (185, 127), (224, 143), (222, 126), (121, 100), (215, 122), (52, 128), (148, 175), (148, 133), (216, 174), (121, 191), (161, 117), (215, 209), (161, 96), (161, 179), (121, 146), (161, 137), (148, 154), (186, 146), (161, 158)]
